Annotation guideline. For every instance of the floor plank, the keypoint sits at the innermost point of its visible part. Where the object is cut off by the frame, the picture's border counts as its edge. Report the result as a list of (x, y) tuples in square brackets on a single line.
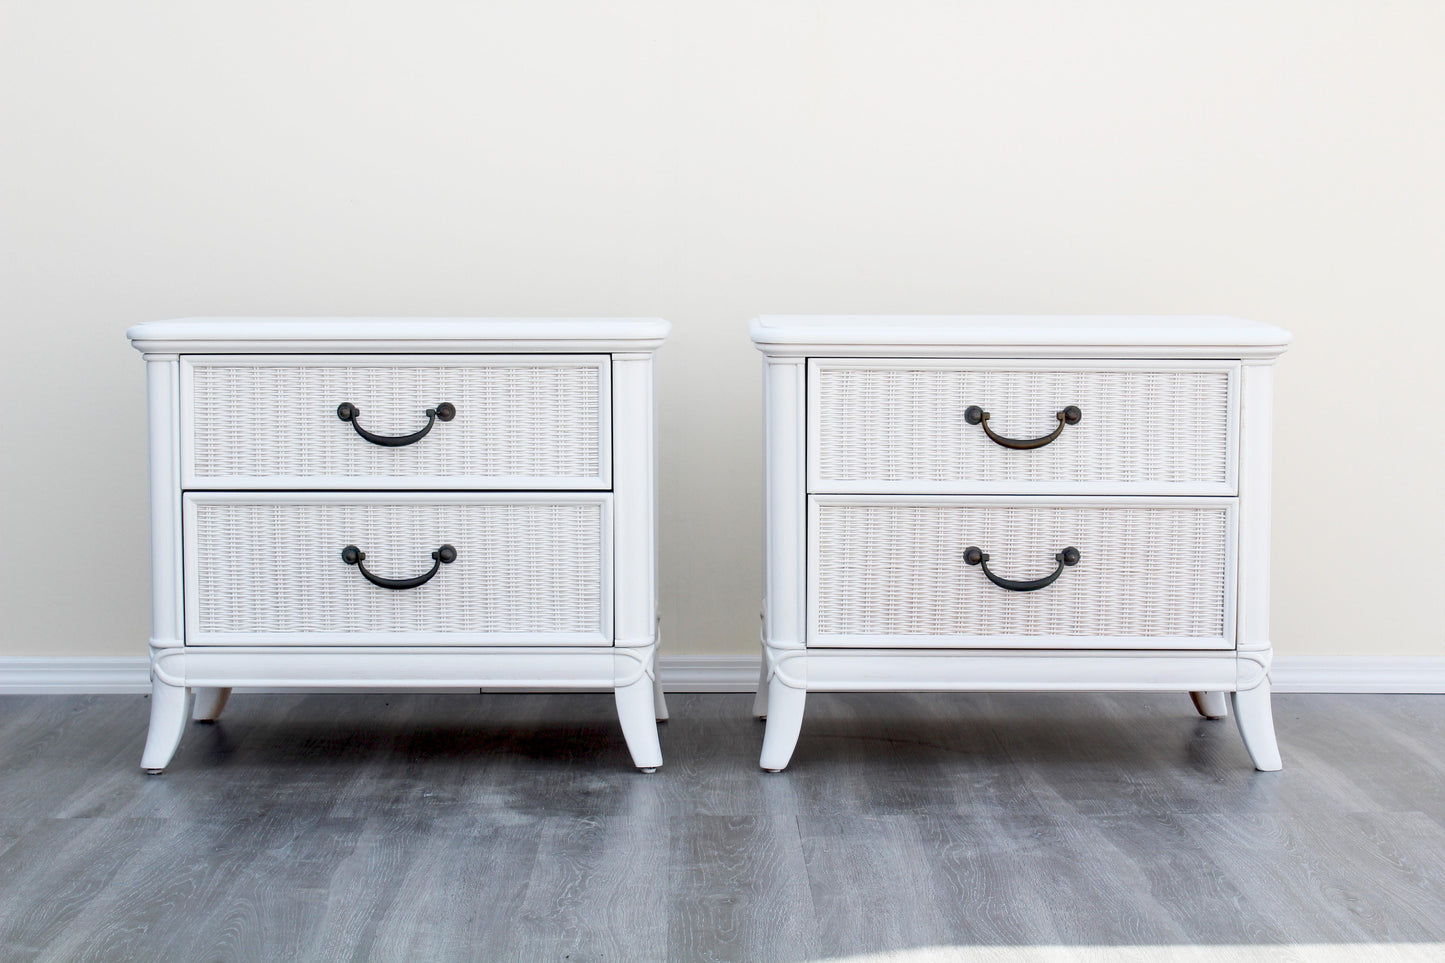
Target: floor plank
[(738, 891), (599, 894), (1331, 878)]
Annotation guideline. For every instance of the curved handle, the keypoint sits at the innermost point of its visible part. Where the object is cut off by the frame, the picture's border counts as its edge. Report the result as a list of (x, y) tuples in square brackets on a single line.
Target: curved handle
[(974, 555), (445, 555), (346, 411), (975, 415)]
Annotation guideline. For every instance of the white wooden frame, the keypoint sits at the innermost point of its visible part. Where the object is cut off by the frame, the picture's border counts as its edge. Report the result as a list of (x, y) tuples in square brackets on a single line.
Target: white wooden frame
[(603, 431), (602, 634), (1018, 337), (193, 681), (1229, 486), (410, 667), (398, 335), (1042, 670), (816, 639), (795, 664)]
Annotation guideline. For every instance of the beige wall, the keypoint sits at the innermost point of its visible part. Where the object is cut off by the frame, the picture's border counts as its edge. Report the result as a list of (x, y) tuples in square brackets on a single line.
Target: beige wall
[(707, 162)]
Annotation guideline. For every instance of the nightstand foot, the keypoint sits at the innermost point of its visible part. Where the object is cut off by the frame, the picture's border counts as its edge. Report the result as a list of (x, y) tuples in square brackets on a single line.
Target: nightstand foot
[(785, 721), (1211, 705), (1256, 725), (636, 711), (208, 704), (168, 724), (659, 702)]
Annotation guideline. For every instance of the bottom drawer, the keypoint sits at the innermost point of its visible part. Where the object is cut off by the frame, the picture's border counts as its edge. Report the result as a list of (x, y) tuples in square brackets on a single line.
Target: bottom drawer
[(895, 571), (273, 569)]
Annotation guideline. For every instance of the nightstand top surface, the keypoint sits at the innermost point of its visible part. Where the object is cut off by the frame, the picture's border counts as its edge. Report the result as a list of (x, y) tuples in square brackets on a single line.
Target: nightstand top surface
[(295, 335), (1122, 336)]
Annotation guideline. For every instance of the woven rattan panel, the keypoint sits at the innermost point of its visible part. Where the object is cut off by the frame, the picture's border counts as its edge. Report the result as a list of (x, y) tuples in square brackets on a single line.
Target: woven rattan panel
[(519, 568), (513, 420), (905, 424), (899, 570)]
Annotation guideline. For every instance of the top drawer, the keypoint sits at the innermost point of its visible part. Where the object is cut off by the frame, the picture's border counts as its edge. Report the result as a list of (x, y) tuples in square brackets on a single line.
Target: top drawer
[(903, 425), (519, 422)]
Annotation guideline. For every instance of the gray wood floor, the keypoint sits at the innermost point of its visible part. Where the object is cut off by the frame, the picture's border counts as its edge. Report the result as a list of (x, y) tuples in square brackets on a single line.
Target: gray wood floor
[(513, 827)]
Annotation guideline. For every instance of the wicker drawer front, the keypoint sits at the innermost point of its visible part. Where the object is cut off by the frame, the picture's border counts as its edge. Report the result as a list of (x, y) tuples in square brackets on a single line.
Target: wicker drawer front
[(1152, 573), (521, 422), (268, 569), (900, 426)]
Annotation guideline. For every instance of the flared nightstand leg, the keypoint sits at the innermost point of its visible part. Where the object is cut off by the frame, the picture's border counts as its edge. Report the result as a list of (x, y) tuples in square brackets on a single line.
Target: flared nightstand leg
[(208, 704), (1211, 705), (1256, 725), (785, 720), (659, 701), (168, 724), (637, 711)]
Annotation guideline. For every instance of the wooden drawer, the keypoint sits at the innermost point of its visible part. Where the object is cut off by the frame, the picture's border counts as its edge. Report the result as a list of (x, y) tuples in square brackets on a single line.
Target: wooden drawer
[(893, 571), (269, 569), (903, 425), (520, 422)]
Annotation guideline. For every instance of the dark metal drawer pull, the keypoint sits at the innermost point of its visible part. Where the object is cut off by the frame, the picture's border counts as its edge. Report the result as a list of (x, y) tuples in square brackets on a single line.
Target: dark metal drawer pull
[(445, 555), (975, 415), (346, 411), (974, 555)]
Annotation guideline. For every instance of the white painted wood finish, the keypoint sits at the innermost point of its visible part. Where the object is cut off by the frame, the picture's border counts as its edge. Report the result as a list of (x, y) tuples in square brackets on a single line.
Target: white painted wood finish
[(635, 500), (208, 704), (1211, 705), (399, 335), (403, 667), (193, 671), (785, 498), (798, 657), (162, 398), (1019, 337), (169, 713)]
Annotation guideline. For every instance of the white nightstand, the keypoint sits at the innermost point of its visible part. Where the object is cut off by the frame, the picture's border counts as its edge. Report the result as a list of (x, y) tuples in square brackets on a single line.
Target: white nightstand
[(1025, 503), (401, 503)]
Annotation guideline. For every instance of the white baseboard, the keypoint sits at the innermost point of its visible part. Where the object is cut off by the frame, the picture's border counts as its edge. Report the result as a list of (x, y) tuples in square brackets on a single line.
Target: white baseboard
[(739, 673), (709, 673), (1357, 673), (42, 675)]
